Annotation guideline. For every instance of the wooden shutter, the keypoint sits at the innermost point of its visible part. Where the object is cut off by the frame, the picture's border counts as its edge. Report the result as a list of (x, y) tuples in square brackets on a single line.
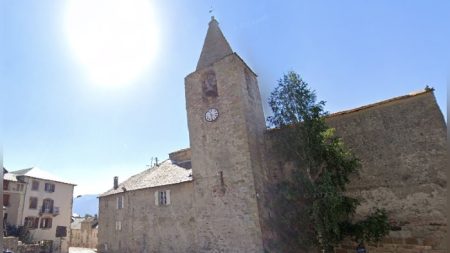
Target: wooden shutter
[(36, 222), (157, 198), (168, 197), (6, 199)]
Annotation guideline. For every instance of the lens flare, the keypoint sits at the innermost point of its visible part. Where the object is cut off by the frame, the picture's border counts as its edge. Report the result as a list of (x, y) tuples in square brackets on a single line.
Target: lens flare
[(114, 40)]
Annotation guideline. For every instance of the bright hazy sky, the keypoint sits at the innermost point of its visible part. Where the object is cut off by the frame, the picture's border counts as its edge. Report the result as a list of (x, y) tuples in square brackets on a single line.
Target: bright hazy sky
[(80, 100)]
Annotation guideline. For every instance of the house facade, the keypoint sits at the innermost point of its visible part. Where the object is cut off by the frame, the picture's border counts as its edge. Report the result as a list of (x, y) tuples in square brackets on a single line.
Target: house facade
[(40, 202), (217, 196), (83, 232)]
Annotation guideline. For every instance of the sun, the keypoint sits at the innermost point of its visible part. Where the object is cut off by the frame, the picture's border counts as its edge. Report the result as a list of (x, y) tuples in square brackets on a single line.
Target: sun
[(114, 40)]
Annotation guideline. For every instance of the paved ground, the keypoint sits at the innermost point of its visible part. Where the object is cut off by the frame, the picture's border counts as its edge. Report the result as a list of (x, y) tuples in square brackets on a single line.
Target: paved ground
[(81, 250)]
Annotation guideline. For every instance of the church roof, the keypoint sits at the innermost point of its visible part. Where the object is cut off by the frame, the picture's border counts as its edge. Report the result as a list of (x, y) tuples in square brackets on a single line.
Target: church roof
[(383, 102), (215, 46), (166, 173), (373, 105)]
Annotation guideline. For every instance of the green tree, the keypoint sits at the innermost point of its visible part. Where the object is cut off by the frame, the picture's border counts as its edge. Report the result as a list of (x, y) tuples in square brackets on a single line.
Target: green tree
[(315, 210)]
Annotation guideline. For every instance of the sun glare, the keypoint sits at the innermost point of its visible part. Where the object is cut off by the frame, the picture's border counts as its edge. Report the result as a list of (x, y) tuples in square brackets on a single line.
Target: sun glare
[(114, 40)]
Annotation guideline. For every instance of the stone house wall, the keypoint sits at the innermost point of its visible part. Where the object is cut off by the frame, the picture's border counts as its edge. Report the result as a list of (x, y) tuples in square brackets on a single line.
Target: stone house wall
[(145, 226), (84, 237)]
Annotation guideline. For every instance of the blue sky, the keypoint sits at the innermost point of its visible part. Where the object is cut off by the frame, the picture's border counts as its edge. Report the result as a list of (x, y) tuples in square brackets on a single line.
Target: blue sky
[(55, 117)]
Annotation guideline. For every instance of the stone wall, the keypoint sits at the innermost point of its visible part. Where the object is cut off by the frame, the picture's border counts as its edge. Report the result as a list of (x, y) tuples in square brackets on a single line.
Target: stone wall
[(146, 227), (31, 248), (180, 156), (14, 245), (10, 243), (83, 238), (402, 146)]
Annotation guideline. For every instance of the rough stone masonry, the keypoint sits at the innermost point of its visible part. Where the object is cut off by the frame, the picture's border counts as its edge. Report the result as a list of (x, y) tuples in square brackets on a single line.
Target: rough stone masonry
[(215, 197)]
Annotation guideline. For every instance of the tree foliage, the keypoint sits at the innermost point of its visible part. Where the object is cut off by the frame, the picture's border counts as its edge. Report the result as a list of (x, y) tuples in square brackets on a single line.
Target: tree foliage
[(315, 209)]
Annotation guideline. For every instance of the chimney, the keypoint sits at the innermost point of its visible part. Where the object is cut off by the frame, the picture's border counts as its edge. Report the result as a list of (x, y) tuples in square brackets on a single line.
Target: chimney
[(116, 183)]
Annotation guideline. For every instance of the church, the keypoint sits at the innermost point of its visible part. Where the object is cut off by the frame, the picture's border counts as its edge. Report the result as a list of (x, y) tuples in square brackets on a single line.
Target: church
[(215, 195)]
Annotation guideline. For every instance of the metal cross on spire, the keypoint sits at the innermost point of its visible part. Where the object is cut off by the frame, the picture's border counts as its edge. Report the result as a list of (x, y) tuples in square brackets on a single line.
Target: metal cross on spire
[(211, 8)]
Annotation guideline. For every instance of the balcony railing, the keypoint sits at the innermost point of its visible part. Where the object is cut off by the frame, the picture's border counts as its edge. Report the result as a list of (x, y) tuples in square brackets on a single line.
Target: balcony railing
[(49, 210)]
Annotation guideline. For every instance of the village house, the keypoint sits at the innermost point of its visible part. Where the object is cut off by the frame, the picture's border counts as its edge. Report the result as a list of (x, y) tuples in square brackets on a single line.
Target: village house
[(216, 196), (83, 232), (39, 201)]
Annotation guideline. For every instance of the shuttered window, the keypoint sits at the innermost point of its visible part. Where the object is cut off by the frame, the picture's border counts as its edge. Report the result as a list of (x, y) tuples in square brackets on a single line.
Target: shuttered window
[(119, 202), (118, 225), (162, 198)]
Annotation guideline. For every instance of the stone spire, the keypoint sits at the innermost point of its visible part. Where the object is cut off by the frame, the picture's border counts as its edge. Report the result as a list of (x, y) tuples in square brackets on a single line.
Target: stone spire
[(215, 46)]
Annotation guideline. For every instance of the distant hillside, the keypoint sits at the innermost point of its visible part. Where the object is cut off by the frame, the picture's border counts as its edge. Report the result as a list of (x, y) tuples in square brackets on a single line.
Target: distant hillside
[(86, 204)]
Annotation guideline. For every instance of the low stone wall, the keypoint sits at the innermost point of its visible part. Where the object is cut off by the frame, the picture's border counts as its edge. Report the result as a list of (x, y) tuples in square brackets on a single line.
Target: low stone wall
[(14, 245), (397, 245), (29, 248), (10, 243)]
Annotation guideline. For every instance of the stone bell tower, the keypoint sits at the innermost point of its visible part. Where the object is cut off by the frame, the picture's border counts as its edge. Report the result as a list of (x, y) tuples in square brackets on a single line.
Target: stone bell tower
[(226, 127)]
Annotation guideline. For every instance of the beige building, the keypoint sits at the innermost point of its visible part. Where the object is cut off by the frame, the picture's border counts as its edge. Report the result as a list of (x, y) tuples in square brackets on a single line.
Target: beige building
[(39, 201), (217, 196), (83, 232)]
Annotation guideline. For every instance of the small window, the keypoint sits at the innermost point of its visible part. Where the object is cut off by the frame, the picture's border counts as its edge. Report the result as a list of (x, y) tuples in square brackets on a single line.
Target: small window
[(46, 222), (118, 225), (31, 222), (49, 187), (35, 185), (120, 202), (19, 187), (162, 198), (5, 199), (5, 185), (33, 203)]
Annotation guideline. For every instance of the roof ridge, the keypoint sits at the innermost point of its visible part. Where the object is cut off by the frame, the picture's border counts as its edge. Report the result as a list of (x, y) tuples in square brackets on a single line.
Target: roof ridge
[(166, 173), (386, 101)]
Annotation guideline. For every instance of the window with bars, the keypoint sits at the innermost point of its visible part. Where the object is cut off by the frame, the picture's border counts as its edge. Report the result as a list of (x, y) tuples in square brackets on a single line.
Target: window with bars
[(162, 198)]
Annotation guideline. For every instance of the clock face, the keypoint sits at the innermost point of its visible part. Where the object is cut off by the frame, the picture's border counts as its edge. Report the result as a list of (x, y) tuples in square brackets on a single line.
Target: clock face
[(211, 115)]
